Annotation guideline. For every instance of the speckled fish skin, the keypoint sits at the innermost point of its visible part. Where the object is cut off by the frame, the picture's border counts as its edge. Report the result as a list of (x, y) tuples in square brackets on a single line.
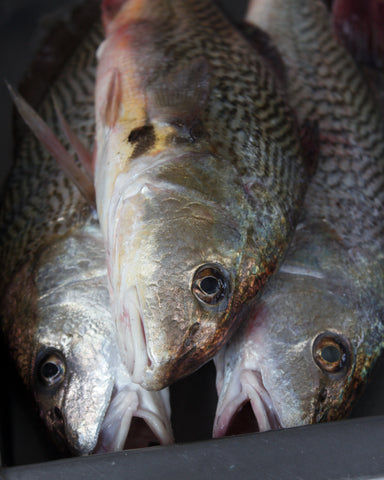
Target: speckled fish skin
[(199, 175), (56, 315), (311, 343)]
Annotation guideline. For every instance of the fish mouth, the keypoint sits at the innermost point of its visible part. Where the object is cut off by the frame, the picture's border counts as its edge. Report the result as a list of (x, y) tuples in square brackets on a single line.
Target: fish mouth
[(249, 411), (134, 419), (132, 337)]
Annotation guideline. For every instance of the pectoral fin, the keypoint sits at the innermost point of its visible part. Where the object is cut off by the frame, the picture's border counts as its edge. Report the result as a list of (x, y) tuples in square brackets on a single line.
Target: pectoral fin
[(110, 109), (50, 141)]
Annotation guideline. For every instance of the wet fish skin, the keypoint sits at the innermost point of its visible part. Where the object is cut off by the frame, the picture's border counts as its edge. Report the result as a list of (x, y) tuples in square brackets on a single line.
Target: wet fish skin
[(64, 340), (198, 166), (56, 209), (56, 315), (312, 341)]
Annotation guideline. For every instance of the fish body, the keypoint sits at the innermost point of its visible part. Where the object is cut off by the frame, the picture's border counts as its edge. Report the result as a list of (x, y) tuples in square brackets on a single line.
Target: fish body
[(56, 314), (199, 174), (310, 344)]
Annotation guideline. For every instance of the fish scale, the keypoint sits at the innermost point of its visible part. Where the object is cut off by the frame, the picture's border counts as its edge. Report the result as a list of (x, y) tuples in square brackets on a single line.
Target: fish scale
[(215, 111), (54, 204), (56, 315), (308, 347), (350, 95)]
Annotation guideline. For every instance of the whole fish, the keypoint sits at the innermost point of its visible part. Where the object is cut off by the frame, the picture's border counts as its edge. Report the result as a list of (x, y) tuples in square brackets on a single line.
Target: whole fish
[(199, 174), (56, 314), (310, 344)]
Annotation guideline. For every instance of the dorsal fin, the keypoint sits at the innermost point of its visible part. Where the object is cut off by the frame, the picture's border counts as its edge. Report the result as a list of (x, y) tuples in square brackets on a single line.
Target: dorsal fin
[(47, 137), (83, 153), (181, 96)]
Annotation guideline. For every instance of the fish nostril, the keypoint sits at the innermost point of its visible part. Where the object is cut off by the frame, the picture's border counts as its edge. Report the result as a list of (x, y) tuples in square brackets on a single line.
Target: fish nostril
[(58, 414), (191, 332)]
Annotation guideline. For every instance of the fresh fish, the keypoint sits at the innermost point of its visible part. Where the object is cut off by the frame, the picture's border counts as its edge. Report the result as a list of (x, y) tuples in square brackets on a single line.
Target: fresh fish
[(199, 176), (310, 344), (56, 314)]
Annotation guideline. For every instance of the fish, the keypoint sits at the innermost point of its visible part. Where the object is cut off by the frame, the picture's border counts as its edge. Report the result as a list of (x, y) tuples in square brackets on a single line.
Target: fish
[(55, 304), (199, 171), (310, 344)]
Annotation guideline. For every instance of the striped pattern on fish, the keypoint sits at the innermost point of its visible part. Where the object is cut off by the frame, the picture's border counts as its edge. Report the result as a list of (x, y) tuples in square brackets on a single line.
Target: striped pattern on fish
[(39, 201), (219, 179), (309, 346), (56, 314), (352, 145)]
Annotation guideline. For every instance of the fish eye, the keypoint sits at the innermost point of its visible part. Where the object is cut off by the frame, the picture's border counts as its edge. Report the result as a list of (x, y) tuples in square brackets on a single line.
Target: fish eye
[(210, 284), (51, 369), (331, 352)]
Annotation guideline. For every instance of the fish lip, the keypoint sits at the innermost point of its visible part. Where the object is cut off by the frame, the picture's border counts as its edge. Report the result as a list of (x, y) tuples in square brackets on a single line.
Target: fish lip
[(261, 401), (113, 433), (137, 359), (254, 391), (126, 403)]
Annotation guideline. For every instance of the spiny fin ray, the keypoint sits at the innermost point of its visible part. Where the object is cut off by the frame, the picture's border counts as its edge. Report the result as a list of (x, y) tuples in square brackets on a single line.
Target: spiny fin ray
[(83, 153), (110, 110), (50, 141)]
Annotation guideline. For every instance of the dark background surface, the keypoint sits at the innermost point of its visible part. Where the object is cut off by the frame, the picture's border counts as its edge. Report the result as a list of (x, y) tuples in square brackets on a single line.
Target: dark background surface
[(22, 27)]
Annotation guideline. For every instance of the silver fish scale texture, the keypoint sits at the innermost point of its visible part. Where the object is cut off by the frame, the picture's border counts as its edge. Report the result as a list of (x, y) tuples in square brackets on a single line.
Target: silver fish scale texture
[(247, 121), (352, 133), (40, 201)]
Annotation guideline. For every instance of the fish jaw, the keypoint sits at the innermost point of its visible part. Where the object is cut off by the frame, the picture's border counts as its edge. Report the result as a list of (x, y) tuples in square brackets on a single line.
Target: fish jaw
[(272, 360), (81, 412), (238, 382), (249, 388), (146, 123), (128, 401), (57, 315), (163, 227)]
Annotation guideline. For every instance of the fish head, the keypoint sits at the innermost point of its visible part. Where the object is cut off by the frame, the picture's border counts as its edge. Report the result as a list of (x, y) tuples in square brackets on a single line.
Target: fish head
[(63, 338), (304, 354), (73, 363), (60, 332), (181, 264), (72, 370)]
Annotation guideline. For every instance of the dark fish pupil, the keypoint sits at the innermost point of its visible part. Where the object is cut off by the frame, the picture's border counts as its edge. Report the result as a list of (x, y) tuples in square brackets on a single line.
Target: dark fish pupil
[(49, 370), (209, 285), (331, 354)]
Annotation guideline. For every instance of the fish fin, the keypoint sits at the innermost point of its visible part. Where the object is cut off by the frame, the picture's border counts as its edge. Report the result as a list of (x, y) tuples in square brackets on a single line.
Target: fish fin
[(181, 96), (50, 141), (83, 153), (262, 43), (310, 143), (110, 110)]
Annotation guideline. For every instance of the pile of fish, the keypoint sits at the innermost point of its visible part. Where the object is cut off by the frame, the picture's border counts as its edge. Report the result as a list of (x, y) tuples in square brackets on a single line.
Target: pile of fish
[(204, 192)]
